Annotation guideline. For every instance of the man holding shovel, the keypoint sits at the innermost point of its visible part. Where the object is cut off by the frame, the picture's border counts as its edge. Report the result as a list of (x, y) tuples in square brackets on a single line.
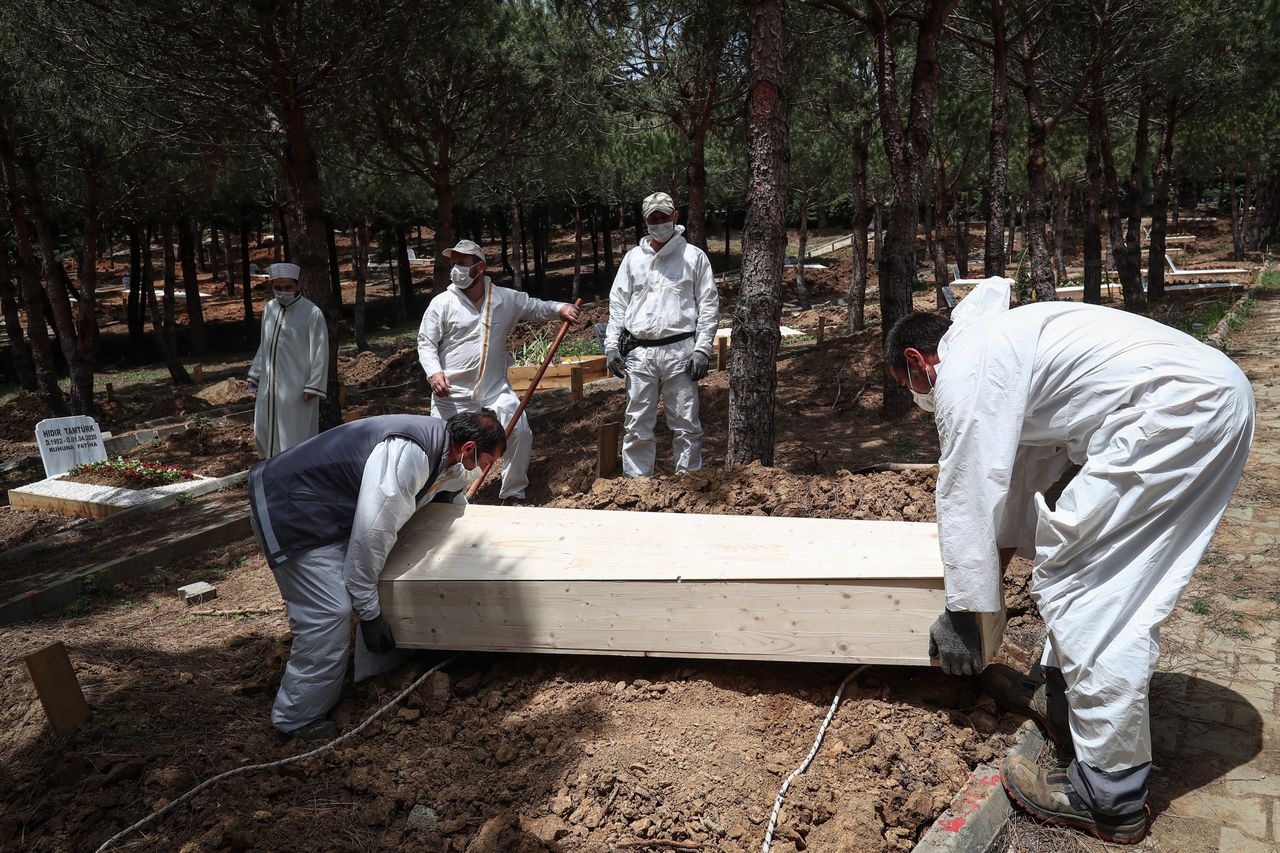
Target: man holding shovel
[(462, 346)]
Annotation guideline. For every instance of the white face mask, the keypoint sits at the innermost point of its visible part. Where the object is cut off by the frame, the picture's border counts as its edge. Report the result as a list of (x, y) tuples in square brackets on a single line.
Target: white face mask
[(460, 275), (924, 401), (459, 473), (662, 231), (286, 297)]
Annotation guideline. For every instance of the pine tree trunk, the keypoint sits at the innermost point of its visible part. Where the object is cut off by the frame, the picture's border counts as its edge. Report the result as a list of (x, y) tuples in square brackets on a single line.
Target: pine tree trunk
[(215, 255), (1160, 205), (1129, 261), (187, 241), (79, 361), (134, 308), (858, 280), (177, 373), (519, 263), (335, 270), (696, 173), (802, 288), (1130, 285), (404, 273), (444, 232), (753, 371), (994, 258), (1060, 230), (1011, 249), (250, 327), (360, 264), (1034, 219), (577, 251), (878, 237), (962, 235), (170, 288), (1092, 232), (231, 263), (23, 364), (606, 237), (938, 249), (595, 243)]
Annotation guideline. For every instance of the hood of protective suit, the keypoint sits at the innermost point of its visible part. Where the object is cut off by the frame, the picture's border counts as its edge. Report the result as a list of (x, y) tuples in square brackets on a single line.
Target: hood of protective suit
[(988, 299)]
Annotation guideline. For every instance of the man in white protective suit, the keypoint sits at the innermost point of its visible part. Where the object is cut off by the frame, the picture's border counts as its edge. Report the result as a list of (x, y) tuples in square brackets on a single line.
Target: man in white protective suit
[(326, 514), (291, 368), (1160, 425), (462, 346), (663, 312)]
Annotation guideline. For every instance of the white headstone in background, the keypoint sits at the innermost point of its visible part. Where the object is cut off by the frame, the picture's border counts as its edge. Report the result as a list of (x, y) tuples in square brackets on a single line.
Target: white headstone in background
[(68, 442)]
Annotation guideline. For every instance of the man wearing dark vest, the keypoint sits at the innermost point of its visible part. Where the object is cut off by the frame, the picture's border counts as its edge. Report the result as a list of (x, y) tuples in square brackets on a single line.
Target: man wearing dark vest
[(326, 514)]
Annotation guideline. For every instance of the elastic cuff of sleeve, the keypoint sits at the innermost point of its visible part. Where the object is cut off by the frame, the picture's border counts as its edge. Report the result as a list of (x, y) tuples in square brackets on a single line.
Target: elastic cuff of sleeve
[(316, 391)]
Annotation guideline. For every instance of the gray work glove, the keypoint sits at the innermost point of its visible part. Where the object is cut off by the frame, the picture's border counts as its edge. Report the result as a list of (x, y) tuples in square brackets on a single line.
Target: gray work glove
[(377, 635), (956, 642), (616, 365), (697, 367)]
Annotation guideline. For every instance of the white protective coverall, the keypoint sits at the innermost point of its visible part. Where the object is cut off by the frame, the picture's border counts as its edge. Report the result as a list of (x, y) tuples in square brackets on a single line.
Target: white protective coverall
[(292, 359), (468, 343), (322, 587), (658, 295), (1161, 425)]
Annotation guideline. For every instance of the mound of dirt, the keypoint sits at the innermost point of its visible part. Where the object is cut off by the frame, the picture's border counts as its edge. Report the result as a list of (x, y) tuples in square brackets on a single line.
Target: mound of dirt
[(368, 370), (214, 450), (19, 416), (523, 333), (228, 392), (756, 490), (19, 526)]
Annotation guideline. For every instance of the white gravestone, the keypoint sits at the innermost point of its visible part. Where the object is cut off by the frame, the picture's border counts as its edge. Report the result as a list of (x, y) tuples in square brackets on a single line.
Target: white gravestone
[(68, 442)]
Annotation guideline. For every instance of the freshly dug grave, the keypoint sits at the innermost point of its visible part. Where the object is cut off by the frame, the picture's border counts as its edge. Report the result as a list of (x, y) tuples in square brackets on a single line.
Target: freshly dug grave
[(19, 416), (212, 449), (532, 753)]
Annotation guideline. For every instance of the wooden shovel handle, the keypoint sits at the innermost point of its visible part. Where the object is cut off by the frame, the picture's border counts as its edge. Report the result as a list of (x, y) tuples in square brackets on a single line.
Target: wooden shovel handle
[(524, 401)]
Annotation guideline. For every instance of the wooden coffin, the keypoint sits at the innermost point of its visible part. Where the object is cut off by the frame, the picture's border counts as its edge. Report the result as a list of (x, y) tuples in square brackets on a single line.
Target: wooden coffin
[(572, 581)]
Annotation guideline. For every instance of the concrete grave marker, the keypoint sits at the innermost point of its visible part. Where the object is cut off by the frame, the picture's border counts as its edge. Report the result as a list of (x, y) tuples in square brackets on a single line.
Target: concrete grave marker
[(67, 442)]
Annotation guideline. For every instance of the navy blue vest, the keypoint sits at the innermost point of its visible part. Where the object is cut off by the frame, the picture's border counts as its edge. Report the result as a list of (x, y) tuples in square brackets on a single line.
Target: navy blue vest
[(306, 497)]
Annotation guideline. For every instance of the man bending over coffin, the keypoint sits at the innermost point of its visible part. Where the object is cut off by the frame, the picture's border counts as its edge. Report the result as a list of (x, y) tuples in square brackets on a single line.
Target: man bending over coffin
[(326, 514), (1161, 425)]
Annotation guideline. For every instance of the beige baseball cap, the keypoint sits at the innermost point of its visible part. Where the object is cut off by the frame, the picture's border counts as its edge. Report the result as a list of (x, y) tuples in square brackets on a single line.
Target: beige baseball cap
[(465, 247), (658, 201)]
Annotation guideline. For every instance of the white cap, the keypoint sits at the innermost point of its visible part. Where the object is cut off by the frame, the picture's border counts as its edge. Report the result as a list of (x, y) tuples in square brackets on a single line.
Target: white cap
[(658, 201), (465, 247), (284, 271)]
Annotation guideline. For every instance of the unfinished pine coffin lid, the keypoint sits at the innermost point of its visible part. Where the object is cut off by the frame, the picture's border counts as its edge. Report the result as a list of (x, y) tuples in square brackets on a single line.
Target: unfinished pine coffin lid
[(444, 542)]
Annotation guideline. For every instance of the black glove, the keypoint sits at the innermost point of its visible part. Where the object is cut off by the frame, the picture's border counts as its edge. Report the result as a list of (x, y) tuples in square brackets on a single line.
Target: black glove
[(377, 635), (616, 365), (956, 642), (697, 367)]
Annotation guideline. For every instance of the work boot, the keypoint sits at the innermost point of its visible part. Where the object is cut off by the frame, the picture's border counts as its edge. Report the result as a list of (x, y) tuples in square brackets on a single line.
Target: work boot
[(1028, 696), (316, 731), (1048, 795)]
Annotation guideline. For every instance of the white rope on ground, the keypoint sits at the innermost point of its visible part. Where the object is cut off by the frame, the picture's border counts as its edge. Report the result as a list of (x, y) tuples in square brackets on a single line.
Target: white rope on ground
[(782, 792), (281, 762)]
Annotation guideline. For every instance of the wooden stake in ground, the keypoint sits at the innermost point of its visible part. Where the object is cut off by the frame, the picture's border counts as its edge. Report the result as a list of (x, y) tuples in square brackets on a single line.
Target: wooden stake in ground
[(722, 353), (57, 687), (524, 401), (608, 457)]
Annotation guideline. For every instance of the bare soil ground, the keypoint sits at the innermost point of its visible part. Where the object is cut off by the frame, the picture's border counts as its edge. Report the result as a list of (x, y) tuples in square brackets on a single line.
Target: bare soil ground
[(510, 752)]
